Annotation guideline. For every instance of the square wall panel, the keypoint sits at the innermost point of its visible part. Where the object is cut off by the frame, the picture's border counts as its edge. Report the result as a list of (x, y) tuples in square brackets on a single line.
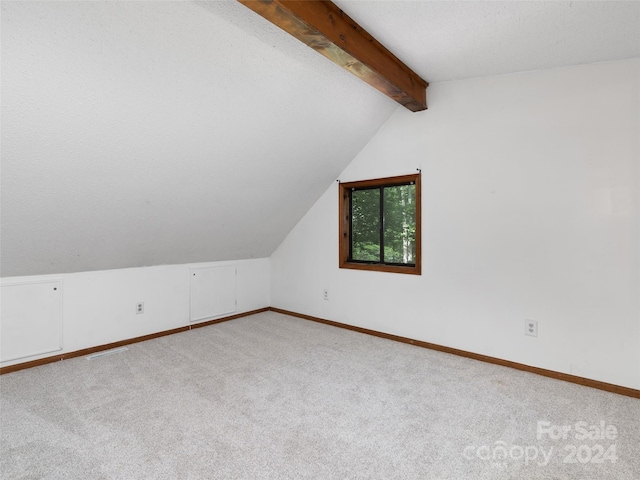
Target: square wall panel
[(212, 292), (30, 319)]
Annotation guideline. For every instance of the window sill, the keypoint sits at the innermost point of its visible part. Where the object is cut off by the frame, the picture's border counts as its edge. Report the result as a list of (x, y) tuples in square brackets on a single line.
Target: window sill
[(415, 270)]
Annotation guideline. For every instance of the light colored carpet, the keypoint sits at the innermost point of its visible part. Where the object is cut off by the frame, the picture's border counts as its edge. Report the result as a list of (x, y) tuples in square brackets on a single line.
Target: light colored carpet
[(275, 397)]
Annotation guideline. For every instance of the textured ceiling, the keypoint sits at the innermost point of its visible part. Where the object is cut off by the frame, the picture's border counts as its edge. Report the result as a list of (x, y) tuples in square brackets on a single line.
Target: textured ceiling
[(452, 40), (146, 133)]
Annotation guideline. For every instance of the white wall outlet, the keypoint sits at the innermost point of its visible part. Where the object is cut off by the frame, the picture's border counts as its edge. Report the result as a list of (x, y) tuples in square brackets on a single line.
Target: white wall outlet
[(531, 328), (325, 294), (139, 307)]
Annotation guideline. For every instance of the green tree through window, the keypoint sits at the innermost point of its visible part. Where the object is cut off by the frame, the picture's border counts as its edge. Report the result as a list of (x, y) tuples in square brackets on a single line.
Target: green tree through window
[(380, 224)]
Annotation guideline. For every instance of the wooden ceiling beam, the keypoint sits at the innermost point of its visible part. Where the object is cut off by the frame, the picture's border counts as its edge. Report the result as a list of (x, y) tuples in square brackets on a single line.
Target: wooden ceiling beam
[(324, 27)]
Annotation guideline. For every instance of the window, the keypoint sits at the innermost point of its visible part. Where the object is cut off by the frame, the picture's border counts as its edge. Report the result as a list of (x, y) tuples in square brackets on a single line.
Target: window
[(380, 224)]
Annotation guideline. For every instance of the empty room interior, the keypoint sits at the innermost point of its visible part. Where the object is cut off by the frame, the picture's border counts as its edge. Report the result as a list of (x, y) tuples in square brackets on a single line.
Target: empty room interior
[(282, 239)]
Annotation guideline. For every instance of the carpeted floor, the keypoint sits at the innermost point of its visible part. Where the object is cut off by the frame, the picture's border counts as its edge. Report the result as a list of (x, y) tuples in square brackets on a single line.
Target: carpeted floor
[(275, 397)]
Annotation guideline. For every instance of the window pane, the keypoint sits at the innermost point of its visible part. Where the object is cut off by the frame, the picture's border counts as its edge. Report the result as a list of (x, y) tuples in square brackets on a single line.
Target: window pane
[(365, 225), (400, 224)]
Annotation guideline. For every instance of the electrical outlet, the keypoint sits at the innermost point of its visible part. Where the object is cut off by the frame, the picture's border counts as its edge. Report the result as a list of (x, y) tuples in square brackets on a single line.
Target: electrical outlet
[(531, 328), (325, 294), (139, 307)]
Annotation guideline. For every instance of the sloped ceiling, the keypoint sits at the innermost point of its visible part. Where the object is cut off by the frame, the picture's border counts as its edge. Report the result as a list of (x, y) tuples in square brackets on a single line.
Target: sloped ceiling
[(146, 133)]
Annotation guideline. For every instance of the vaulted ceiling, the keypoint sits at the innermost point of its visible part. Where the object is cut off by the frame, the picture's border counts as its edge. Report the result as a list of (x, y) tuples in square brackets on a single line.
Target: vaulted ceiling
[(146, 133), (453, 40)]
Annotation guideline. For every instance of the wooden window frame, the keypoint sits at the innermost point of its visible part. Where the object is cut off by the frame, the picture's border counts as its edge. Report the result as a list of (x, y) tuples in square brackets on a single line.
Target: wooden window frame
[(344, 225)]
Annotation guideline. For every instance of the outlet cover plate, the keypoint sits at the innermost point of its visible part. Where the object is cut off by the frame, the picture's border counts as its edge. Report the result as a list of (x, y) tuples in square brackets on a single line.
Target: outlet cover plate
[(531, 328)]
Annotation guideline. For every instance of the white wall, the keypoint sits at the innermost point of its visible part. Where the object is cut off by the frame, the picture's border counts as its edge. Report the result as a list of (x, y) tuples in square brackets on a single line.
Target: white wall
[(530, 211), (99, 307)]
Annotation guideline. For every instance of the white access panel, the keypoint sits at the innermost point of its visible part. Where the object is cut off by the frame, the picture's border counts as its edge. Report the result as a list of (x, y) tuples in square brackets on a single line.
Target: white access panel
[(30, 319), (212, 292)]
